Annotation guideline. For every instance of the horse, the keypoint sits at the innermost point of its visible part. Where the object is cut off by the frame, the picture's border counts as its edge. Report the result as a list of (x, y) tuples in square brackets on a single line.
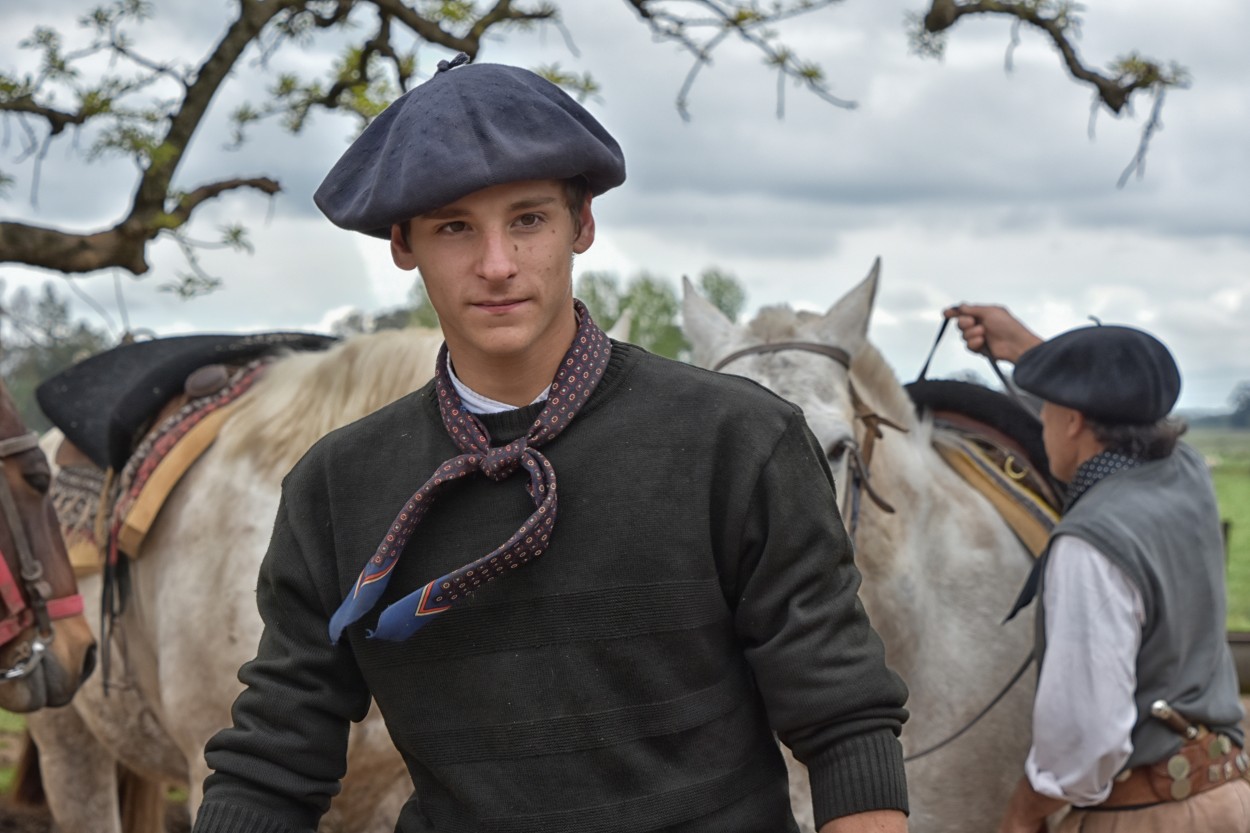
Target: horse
[(46, 646), (191, 620), (939, 571)]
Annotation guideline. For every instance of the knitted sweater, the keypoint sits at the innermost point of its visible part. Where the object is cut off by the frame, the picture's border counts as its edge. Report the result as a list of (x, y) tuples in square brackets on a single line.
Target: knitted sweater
[(697, 595)]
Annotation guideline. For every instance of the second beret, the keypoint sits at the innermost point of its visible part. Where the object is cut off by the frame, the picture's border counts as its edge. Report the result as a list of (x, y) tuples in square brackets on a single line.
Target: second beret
[(1118, 375)]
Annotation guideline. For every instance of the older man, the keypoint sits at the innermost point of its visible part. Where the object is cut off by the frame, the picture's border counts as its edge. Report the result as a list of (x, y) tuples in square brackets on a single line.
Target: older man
[(622, 668), (1132, 599)]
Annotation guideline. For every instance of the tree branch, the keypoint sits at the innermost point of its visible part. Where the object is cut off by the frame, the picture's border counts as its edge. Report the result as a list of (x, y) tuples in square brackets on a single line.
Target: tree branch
[(744, 19), (1114, 92), (192, 200), (60, 251)]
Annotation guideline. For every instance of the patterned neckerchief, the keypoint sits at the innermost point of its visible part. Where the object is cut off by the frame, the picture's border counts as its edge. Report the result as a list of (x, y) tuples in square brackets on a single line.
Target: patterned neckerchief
[(1095, 469), (576, 378)]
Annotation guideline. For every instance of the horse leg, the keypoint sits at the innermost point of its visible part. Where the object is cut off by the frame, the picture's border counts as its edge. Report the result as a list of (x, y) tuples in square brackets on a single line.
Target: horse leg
[(79, 774)]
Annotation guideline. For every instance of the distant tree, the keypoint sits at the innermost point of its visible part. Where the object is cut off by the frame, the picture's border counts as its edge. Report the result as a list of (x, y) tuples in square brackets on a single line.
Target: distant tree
[(724, 291), (1240, 417), (38, 339), (653, 306)]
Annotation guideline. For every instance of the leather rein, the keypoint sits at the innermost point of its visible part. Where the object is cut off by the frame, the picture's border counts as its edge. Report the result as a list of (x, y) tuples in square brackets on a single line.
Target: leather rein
[(858, 454), (41, 609)]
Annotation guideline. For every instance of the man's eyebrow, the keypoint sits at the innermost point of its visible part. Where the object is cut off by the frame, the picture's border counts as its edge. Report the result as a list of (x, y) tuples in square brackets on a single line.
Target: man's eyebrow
[(453, 211), (532, 202)]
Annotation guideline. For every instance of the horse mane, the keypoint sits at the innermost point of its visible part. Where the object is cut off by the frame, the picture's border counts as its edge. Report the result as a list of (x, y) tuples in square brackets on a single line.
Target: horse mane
[(304, 396), (873, 376)]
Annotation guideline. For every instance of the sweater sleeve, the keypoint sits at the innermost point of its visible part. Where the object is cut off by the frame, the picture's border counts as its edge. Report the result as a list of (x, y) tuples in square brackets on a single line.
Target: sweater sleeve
[(278, 766), (819, 664)]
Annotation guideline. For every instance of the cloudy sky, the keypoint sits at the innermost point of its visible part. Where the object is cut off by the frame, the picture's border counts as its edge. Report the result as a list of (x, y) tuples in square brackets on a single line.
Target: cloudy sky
[(969, 182)]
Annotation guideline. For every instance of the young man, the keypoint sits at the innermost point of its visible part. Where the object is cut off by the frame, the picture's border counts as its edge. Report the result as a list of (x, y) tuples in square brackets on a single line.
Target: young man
[(1131, 597), (629, 666)]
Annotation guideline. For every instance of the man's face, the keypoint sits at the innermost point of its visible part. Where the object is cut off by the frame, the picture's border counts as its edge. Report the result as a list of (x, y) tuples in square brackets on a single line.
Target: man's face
[(497, 265), (1059, 427)]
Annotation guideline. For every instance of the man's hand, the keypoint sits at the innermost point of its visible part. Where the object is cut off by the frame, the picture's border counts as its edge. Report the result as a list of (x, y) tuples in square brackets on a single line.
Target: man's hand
[(878, 821), (995, 327), (1027, 810)]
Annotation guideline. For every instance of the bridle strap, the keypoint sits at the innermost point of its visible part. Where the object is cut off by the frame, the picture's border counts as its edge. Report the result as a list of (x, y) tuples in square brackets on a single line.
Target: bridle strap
[(18, 444), (40, 610), (836, 353), (860, 457)]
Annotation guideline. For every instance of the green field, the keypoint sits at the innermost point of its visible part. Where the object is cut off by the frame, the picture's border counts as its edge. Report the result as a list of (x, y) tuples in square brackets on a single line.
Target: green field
[(1229, 453)]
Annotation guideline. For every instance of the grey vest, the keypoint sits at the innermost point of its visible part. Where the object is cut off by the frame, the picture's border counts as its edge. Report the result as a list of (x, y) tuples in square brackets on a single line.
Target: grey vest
[(1160, 524)]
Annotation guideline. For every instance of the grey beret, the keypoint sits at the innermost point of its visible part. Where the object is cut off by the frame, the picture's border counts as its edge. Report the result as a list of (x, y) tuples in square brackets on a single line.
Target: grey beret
[(467, 128), (1117, 375)]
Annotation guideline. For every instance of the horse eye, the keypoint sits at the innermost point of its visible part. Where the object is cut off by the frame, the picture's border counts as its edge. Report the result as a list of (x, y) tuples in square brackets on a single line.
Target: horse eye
[(838, 449), (40, 481)]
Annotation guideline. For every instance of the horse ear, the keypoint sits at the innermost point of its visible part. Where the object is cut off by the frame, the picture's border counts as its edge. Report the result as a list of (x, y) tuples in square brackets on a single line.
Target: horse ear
[(846, 322), (624, 324), (706, 327)]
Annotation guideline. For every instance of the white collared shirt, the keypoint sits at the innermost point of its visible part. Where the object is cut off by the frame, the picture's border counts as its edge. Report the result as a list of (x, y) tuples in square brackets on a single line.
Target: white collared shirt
[(475, 403), (1084, 711)]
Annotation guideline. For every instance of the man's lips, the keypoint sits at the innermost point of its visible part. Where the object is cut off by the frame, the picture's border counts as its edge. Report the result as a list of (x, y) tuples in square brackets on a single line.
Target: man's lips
[(499, 306)]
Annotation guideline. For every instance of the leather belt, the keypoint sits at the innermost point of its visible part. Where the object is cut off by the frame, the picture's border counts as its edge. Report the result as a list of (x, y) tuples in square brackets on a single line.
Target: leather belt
[(1204, 763)]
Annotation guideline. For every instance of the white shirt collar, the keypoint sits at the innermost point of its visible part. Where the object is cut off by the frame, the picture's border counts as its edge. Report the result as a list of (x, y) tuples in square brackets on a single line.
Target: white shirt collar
[(476, 403)]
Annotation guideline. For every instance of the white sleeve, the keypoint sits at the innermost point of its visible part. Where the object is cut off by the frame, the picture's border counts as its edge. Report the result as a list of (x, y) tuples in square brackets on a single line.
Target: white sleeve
[(1084, 711)]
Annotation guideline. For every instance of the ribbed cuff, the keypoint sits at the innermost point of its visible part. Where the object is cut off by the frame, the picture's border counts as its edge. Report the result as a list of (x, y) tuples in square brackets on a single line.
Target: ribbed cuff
[(232, 818), (861, 774)]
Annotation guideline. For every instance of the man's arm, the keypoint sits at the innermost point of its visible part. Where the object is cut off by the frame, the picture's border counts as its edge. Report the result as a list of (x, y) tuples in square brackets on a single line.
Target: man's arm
[(819, 664), (880, 821), (1027, 810), (1084, 711), (277, 767)]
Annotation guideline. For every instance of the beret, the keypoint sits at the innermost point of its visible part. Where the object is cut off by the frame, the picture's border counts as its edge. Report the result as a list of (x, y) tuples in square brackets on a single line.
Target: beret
[(1117, 375), (466, 128)]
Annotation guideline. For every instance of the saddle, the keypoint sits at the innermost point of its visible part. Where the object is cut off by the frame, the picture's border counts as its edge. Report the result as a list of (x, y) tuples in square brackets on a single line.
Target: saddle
[(135, 418), (996, 446)]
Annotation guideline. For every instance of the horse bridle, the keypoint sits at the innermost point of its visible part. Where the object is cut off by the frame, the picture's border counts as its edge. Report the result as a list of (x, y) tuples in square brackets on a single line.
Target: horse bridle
[(858, 455), (42, 609)]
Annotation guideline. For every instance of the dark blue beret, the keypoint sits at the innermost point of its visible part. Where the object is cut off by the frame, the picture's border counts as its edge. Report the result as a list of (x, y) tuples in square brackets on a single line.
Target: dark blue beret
[(1116, 375), (467, 128)]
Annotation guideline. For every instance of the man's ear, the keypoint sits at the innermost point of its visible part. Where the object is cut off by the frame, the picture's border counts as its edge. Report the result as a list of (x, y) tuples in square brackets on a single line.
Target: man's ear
[(401, 249), (587, 234), (1076, 423)]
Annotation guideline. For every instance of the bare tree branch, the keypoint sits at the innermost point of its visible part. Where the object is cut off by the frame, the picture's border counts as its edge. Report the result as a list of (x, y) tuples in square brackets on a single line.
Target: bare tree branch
[(750, 23), (1114, 91)]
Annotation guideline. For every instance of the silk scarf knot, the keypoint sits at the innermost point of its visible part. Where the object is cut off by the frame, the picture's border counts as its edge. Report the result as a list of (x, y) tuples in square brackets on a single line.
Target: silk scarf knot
[(503, 460), (576, 377)]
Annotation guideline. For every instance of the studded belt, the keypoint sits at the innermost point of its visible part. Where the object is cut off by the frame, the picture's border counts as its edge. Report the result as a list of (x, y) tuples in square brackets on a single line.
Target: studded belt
[(1208, 761)]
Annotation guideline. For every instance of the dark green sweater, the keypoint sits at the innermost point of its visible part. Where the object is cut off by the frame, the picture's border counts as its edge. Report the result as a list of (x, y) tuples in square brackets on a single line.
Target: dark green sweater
[(698, 594)]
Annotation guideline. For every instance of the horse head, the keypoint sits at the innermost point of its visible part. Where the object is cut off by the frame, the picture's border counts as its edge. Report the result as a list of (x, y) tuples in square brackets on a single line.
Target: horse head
[(821, 362), (46, 646)]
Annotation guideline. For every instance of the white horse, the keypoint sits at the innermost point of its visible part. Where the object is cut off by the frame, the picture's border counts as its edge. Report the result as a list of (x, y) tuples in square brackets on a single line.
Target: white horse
[(939, 573), (191, 620)]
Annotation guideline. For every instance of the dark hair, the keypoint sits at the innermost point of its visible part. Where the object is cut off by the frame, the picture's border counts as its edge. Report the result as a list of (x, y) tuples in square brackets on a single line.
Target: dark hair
[(1145, 442), (576, 191)]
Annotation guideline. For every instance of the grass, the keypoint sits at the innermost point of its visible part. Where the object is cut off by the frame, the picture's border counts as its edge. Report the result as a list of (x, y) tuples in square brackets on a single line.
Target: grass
[(1229, 452)]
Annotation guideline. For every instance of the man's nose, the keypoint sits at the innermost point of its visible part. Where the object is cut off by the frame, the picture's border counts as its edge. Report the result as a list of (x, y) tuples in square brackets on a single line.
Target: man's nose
[(497, 259)]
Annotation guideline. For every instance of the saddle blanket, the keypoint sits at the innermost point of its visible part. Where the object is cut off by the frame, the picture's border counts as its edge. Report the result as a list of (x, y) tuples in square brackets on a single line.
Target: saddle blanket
[(1007, 480), (102, 516)]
